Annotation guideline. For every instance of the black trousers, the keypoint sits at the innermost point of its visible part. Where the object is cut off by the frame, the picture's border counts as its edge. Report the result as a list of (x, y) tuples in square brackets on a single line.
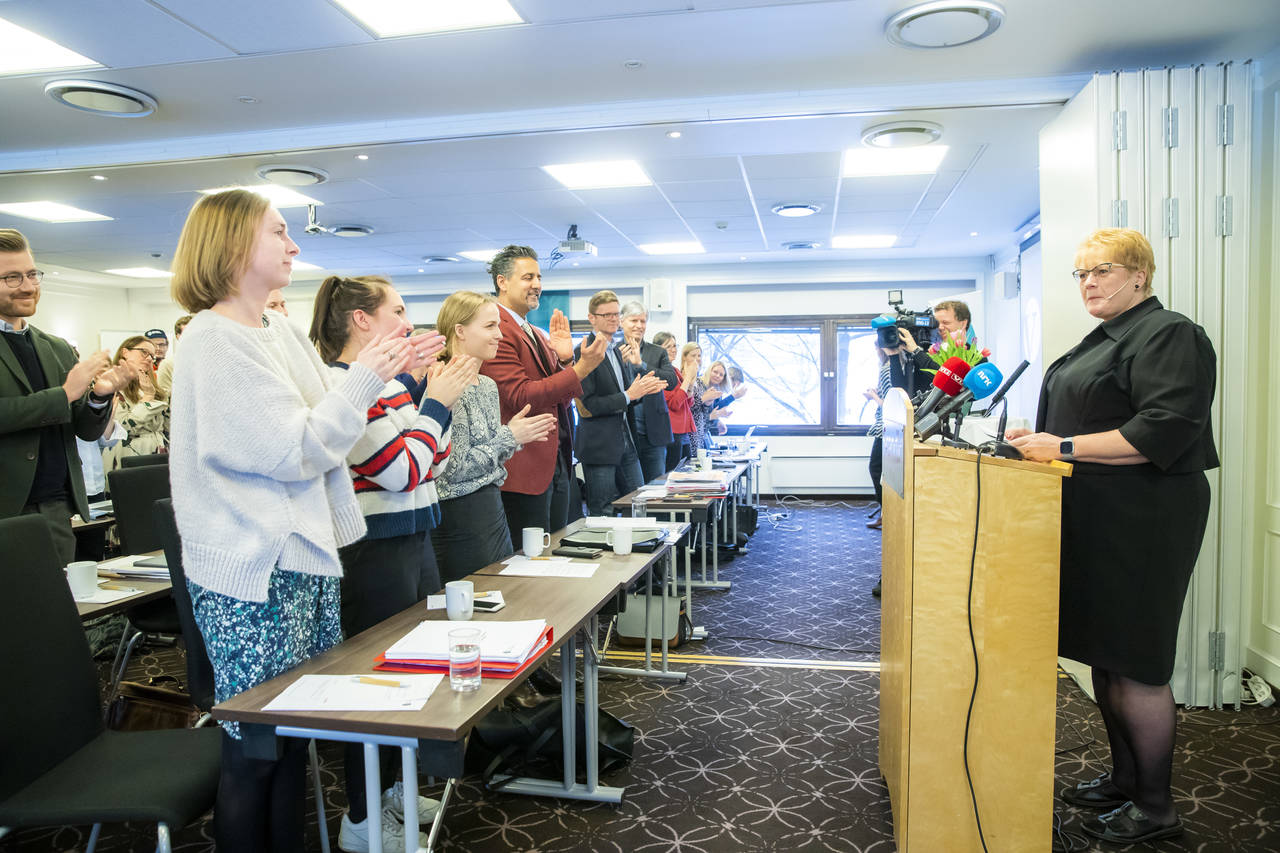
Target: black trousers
[(473, 533), (875, 465), (548, 510)]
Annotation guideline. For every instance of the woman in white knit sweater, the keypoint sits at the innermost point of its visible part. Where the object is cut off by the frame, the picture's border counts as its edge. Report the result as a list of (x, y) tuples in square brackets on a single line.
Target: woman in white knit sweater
[(393, 466), (473, 529), (259, 438)]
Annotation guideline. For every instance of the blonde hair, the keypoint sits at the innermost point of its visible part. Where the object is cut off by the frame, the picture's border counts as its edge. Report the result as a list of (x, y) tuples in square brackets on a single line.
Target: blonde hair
[(1123, 246), (458, 310), (132, 392), (337, 299), (726, 384), (686, 349), (13, 241), (215, 248)]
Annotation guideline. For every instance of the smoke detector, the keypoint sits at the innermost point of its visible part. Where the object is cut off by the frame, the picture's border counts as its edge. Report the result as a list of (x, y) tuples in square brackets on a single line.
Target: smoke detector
[(104, 99), (944, 23), (901, 134), (293, 176), (345, 230)]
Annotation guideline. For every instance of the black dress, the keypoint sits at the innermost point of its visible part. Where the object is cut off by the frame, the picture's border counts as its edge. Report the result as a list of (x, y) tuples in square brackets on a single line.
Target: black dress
[(1131, 533)]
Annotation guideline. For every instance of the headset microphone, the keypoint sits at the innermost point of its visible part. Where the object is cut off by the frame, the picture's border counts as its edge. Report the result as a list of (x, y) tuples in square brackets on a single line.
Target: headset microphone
[(1114, 292)]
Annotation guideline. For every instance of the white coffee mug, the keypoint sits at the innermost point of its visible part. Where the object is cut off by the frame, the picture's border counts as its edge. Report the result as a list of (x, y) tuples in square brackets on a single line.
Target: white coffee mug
[(458, 599), (83, 578), (619, 539), (534, 541)]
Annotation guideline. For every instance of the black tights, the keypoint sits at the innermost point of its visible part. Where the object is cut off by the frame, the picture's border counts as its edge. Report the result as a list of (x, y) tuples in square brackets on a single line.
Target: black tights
[(353, 760), (1140, 720), (260, 805)]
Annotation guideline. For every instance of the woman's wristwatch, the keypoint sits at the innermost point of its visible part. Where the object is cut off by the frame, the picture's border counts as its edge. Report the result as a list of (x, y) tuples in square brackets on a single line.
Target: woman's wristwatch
[(1067, 449)]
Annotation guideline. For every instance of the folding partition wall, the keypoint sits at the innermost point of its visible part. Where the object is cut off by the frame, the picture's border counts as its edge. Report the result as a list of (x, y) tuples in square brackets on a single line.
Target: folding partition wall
[(1167, 151)]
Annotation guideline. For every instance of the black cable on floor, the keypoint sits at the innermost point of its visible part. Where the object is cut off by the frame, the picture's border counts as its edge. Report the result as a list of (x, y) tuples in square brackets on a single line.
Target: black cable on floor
[(1066, 842)]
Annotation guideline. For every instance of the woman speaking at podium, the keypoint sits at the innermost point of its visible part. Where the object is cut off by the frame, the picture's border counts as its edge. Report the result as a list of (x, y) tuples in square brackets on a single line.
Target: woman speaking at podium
[(1129, 406)]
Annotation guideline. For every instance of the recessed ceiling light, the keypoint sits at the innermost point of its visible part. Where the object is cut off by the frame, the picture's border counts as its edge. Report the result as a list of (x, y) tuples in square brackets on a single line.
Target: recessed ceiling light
[(441, 259), (26, 53), (249, 99), (973, 233), (800, 245), (293, 176), (104, 99), (944, 23), (303, 265), (674, 134), (99, 177), (412, 17), (351, 229), (864, 241), (362, 156), (420, 269), (796, 209), (51, 211), (902, 134), (141, 272), (742, 257), (633, 64), (481, 255), (599, 175), (690, 247), (880, 162), (575, 263), (278, 196)]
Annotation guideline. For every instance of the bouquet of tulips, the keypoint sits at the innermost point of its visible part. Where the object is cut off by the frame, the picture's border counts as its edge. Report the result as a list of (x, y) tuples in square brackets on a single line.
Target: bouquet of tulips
[(957, 345)]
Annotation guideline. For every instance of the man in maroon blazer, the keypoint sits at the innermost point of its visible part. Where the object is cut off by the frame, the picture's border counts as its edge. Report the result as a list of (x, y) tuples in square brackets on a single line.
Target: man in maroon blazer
[(536, 369)]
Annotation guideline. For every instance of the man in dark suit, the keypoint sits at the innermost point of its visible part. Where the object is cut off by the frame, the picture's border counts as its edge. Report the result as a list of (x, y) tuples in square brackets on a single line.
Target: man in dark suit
[(650, 421), (48, 396), (535, 368), (605, 447)]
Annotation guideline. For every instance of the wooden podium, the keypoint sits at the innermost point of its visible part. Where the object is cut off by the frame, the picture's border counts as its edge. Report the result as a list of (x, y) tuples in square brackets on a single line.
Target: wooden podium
[(931, 493)]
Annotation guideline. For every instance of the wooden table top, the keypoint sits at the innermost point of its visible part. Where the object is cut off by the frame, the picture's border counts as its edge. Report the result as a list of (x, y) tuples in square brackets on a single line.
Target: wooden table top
[(448, 715), (622, 570)]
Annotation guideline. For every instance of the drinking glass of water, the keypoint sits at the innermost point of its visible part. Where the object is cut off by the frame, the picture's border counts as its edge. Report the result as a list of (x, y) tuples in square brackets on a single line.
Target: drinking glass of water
[(464, 659)]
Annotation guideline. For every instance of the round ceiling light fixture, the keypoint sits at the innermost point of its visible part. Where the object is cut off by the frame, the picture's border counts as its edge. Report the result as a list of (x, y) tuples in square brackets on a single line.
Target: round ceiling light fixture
[(944, 23), (901, 134), (293, 176), (797, 245), (104, 99), (795, 209), (351, 230), (441, 259)]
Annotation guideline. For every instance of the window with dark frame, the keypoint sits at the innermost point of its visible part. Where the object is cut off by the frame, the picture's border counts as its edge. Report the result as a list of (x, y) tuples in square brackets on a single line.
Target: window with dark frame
[(804, 375)]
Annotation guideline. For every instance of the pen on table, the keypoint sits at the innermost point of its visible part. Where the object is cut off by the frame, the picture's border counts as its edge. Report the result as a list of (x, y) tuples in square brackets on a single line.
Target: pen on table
[(378, 682), (117, 587)]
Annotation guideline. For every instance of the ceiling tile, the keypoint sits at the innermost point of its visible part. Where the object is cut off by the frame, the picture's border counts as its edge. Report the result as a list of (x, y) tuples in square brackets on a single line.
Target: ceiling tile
[(251, 26)]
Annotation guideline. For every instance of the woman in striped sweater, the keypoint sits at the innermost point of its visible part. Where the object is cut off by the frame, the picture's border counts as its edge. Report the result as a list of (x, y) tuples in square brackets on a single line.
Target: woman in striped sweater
[(393, 467)]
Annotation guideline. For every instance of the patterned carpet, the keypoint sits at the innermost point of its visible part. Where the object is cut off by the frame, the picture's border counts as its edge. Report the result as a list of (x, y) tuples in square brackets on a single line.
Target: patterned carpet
[(769, 758)]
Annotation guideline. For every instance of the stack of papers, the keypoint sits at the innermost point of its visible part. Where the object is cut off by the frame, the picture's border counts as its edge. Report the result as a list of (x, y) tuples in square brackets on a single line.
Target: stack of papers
[(356, 693), (506, 648), (698, 482), (136, 566), (547, 567)]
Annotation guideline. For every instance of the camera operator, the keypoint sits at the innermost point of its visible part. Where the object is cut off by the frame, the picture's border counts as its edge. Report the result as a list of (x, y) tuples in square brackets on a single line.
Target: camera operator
[(953, 319)]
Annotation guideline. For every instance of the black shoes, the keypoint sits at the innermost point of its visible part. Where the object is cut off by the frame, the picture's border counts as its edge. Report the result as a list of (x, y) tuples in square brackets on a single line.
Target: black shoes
[(1097, 794), (875, 590), (1130, 825)]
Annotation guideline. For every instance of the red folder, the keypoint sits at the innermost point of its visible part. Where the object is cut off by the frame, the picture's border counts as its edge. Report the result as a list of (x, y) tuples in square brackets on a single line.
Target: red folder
[(488, 669)]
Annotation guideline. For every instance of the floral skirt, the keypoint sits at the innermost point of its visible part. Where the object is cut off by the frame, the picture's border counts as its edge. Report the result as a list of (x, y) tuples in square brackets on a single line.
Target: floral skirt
[(250, 642)]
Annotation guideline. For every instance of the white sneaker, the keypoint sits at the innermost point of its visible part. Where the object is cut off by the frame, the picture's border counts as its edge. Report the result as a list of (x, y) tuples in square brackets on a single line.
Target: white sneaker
[(354, 837), (393, 800)]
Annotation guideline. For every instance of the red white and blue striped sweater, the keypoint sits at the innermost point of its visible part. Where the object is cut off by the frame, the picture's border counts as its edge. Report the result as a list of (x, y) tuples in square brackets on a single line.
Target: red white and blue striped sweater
[(394, 464)]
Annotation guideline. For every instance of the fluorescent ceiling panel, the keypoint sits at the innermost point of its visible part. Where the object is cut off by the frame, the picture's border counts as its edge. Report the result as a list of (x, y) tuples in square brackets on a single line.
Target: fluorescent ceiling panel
[(864, 241), (278, 196), (481, 255), (140, 272), (25, 52), (603, 174), (879, 162), (413, 17), (692, 247), (51, 211)]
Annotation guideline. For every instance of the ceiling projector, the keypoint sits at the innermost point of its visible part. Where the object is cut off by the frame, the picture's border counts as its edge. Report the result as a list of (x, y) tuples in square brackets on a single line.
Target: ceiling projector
[(577, 247)]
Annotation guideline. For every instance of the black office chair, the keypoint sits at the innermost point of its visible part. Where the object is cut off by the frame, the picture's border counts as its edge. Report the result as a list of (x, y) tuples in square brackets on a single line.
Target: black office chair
[(134, 492), (199, 670), (144, 459), (61, 765)]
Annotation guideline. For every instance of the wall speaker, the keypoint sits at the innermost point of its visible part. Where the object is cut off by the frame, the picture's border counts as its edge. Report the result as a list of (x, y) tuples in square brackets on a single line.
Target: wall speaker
[(657, 294)]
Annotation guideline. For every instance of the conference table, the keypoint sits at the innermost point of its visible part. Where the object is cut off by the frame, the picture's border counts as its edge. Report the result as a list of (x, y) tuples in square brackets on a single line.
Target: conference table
[(570, 607), (147, 590)]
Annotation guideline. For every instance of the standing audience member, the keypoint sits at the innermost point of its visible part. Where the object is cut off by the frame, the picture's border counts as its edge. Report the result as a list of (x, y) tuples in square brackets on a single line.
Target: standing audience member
[(143, 410), (49, 396), (605, 447), (535, 369), (261, 490), (650, 419), (677, 403), (275, 302), (393, 467), (719, 378), (703, 400), (161, 342), (473, 530), (164, 375)]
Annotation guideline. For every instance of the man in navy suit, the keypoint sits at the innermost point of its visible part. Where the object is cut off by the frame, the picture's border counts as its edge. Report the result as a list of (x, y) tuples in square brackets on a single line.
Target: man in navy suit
[(604, 445), (650, 420)]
